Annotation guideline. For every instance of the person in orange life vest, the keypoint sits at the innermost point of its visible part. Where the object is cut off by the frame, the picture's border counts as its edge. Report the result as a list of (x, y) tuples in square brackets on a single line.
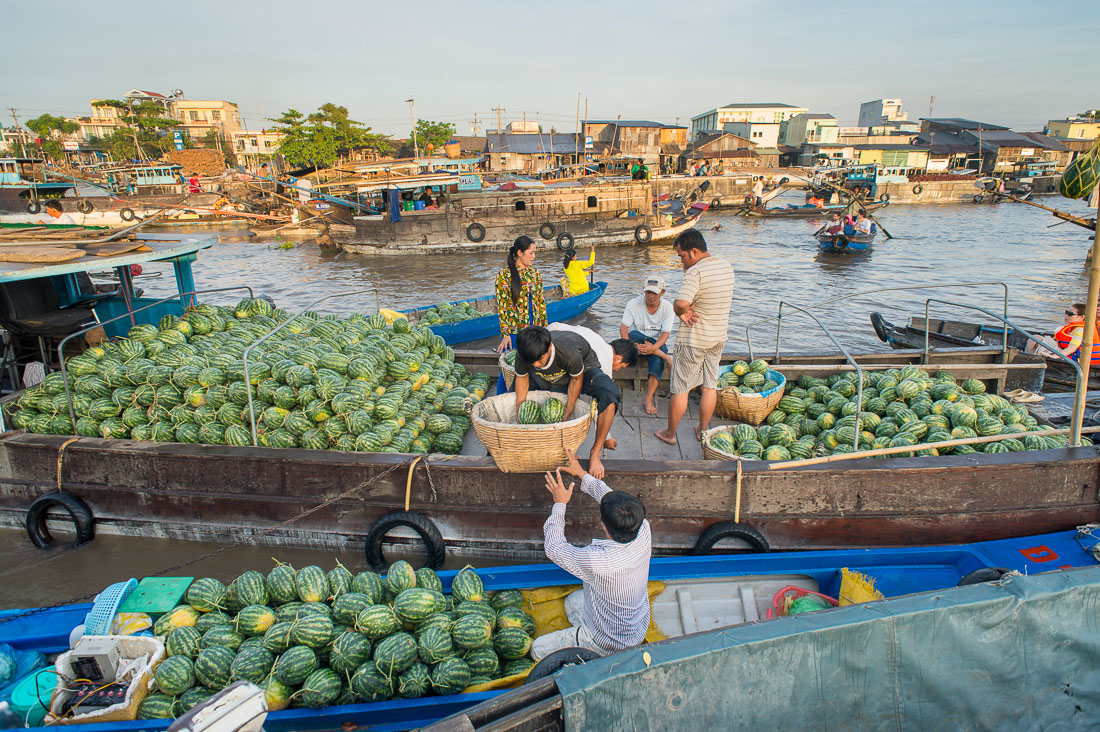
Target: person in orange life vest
[(1071, 335)]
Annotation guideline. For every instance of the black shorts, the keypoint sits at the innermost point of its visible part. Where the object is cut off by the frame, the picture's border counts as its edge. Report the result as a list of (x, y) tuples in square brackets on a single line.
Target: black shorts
[(595, 384)]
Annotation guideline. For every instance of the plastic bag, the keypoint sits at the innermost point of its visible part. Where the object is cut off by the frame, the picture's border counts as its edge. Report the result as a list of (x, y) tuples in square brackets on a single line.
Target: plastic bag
[(130, 623), (14, 665)]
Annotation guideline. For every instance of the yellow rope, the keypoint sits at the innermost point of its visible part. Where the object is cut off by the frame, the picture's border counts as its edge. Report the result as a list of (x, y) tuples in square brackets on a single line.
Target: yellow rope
[(60, 455), (409, 480), (737, 506)]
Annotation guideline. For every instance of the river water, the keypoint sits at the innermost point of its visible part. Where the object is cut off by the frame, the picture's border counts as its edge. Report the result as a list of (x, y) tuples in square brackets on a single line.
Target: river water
[(1043, 266)]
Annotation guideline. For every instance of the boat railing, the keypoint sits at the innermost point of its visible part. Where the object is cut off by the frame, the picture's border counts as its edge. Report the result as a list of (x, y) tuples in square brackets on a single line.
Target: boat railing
[(779, 318), (181, 296), (1075, 425), (273, 331)]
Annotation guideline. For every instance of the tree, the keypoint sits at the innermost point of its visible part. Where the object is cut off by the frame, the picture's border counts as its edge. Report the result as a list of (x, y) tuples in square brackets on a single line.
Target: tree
[(215, 140), (50, 130), (1090, 114), (145, 123), (427, 132), (325, 136)]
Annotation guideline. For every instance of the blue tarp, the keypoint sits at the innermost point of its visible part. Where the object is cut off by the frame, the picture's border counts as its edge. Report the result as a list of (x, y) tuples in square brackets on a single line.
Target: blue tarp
[(1023, 654)]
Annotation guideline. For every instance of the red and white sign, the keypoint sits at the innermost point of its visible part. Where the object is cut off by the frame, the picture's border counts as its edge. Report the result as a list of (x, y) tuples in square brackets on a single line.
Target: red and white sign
[(70, 145)]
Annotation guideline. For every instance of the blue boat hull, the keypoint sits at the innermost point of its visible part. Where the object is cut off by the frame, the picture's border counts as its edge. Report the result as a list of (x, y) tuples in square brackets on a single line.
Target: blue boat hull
[(895, 571), (844, 244), (488, 326)]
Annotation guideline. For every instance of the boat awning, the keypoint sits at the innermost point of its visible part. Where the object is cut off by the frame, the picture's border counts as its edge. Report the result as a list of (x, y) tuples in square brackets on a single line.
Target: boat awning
[(404, 184), (161, 246)]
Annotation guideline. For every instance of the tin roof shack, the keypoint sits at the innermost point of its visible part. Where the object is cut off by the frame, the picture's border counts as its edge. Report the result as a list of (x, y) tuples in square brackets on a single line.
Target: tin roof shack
[(1053, 150), (835, 154), (808, 127), (896, 159), (721, 150), (947, 152), (956, 125), (531, 154), (1003, 149), (762, 134), (630, 140)]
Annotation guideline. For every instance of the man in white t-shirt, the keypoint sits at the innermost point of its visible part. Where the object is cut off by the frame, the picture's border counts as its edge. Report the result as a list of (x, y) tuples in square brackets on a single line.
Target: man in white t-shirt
[(648, 321)]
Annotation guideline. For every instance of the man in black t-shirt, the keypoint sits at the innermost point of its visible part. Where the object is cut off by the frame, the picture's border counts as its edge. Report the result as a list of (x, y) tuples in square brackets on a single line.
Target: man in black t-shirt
[(564, 362)]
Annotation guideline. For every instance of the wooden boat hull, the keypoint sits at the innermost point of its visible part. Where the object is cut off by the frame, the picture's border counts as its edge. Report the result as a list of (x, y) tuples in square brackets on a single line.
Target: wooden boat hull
[(557, 310), (844, 243), (804, 212)]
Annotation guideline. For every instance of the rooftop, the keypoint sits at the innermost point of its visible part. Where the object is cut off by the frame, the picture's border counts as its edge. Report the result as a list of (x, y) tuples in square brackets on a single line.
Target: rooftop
[(962, 124), (633, 123), (754, 105), (808, 115), (531, 144)]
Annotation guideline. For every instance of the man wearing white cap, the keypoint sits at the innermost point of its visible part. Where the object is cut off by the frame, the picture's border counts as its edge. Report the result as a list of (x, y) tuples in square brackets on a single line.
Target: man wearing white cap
[(648, 321)]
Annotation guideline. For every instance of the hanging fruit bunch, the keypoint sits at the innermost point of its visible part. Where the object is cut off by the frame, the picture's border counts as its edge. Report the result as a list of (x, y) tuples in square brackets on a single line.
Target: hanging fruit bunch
[(1082, 174)]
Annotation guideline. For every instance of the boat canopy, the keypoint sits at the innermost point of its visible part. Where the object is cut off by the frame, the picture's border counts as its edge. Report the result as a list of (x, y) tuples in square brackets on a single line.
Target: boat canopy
[(404, 184), (161, 246)]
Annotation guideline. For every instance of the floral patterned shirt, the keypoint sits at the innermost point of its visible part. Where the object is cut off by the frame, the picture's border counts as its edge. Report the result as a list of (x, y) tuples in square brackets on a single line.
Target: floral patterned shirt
[(514, 316)]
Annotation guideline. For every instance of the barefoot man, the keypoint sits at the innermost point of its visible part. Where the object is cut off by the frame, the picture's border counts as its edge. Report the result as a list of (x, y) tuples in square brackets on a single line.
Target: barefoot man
[(703, 307), (648, 321), (564, 362)]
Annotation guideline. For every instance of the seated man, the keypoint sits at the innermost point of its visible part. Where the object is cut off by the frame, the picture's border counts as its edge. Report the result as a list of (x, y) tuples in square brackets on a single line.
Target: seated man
[(836, 226), (863, 224), (564, 362), (611, 613), (56, 215), (648, 321)]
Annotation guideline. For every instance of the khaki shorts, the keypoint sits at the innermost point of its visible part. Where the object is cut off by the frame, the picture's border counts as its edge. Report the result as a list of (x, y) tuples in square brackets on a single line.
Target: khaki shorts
[(692, 367)]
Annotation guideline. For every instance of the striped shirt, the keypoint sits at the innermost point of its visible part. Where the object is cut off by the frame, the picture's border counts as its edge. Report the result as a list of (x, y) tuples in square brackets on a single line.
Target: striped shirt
[(615, 576), (708, 286)]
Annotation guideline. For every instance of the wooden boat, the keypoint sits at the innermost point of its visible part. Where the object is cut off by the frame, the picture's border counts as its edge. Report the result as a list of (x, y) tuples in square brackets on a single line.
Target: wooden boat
[(962, 334), (844, 243), (861, 663), (558, 309), (700, 594), (805, 211)]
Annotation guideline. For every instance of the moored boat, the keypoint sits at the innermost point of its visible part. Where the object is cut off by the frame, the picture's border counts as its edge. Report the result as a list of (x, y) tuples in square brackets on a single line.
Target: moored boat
[(805, 211)]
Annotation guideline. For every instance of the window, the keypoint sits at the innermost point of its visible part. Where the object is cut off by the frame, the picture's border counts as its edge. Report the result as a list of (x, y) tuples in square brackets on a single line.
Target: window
[(592, 202), (240, 144), (521, 205), (215, 115), (194, 116)]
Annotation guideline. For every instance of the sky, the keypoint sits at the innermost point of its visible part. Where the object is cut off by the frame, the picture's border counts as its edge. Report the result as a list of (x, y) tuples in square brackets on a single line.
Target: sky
[(1012, 63)]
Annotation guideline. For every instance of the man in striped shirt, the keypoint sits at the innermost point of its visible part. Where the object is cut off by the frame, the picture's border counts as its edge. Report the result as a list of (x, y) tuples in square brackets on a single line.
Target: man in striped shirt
[(703, 307), (611, 613)]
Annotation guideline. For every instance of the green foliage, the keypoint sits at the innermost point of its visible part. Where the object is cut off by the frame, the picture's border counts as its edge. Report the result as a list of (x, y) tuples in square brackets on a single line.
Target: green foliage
[(51, 129), (428, 132), (146, 123), (324, 136)]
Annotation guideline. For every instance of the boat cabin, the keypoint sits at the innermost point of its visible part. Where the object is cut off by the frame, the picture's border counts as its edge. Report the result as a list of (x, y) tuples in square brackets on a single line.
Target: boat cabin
[(25, 179), (149, 179), (1027, 170)]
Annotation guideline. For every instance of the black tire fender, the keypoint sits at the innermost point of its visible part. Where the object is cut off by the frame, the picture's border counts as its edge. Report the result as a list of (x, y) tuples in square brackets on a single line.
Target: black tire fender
[(475, 232), (643, 234), (1051, 188), (127, 214), (879, 325), (730, 530), (558, 660), (917, 189), (565, 241), (418, 522), (715, 202), (985, 574), (840, 242), (84, 206), (977, 198), (78, 511), (33, 206), (884, 197), (547, 231)]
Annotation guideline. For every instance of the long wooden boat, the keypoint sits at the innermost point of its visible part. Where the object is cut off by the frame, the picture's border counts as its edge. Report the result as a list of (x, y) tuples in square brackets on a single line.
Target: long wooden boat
[(804, 211), (700, 594), (558, 309), (892, 664), (958, 334)]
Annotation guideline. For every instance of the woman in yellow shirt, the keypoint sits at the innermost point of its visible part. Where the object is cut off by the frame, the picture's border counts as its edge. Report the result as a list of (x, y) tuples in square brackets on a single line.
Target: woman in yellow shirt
[(575, 281)]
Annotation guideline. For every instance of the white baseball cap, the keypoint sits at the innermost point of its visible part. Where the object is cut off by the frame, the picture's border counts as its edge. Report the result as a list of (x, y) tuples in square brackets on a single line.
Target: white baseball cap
[(654, 284)]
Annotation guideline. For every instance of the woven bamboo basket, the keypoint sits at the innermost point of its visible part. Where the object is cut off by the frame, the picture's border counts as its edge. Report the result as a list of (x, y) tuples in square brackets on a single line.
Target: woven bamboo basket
[(508, 370), (529, 448), (711, 453), (750, 408)]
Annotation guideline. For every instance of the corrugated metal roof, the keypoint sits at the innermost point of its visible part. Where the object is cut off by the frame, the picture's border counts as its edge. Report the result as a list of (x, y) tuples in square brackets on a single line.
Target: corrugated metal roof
[(808, 115), (634, 123), (532, 144), (749, 105), (962, 124), (887, 147)]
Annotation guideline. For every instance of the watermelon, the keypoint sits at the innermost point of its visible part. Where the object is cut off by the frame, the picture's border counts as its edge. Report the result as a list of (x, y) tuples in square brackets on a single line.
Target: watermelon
[(157, 706), (183, 642), (472, 631), (321, 688), (400, 576), (313, 629), (213, 667), (293, 666), (193, 697), (175, 675), (466, 585), (428, 579), (368, 584), (552, 411), (208, 620), (506, 598), (395, 653), (451, 676), (280, 585), (529, 412), (178, 617), (276, 694), (1080, 177), (414, 682), (347, 607), (254, 619), (435, 645), (512, 643), (277, 637), (369, 684), (349, 651), (514, 617), (376, 622), (221, 635), (312, 584), (517, 667), (252, 664), (339, 581), (483, 662), (206, 594)]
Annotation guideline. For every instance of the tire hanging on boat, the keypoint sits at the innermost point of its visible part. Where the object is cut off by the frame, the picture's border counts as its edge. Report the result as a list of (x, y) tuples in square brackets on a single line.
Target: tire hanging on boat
[(79, 513), (547, 231), (558, 660), (977, 198), (730, 530), (565, 241), (475, 233), (985, 574), (33, 206), (126, 214), (84, 206), (716, 202), (643, 234), (839, 242), (884, 197), (917, 189), (418, 522)]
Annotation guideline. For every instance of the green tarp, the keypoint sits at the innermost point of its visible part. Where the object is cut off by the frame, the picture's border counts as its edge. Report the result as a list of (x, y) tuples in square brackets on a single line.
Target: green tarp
[(1023, 654)]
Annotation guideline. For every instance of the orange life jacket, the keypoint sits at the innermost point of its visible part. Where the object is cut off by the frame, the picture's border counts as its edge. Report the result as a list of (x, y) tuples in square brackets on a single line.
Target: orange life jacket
[(1065, 335)]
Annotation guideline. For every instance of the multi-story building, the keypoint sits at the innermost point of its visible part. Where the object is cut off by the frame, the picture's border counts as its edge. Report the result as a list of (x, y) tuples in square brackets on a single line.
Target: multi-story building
[(1074, 129), (253, 147), (198, 117), (880, 111), (715, 119), (808, 127)]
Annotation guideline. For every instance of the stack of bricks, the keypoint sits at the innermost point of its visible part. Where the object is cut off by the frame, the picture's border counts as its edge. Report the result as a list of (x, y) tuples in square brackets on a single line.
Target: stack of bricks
[(203, 162)]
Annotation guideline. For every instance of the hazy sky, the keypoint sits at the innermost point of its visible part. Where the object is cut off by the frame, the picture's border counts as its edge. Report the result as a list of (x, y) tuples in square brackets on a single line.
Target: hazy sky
[(1009, 62)]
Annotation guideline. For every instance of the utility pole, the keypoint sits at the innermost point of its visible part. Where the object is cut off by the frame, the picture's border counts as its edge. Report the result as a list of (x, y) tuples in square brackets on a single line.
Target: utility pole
[(416, 147), (577, 151), (498, 109), (476, 126), (931, 103)]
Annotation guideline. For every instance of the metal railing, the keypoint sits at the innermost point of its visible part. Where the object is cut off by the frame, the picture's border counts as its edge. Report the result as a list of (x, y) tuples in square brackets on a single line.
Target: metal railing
[(128, 314), (852, 361), (779, 318), (1075, 427), (273, 331)]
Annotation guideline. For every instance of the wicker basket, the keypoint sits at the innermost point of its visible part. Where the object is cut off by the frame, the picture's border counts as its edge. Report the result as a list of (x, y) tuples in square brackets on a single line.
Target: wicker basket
[(529, 448), (750, 408), (711, 453), (507, 370)]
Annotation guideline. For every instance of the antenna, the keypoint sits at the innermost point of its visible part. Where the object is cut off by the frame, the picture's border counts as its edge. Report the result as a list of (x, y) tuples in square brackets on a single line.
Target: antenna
[(931, 103)]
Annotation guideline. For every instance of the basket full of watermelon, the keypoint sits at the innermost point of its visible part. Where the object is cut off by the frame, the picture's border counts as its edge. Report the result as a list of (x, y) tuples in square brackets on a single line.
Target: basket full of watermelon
[(748, 392), (535, 438), (507, 363), (311, 638)]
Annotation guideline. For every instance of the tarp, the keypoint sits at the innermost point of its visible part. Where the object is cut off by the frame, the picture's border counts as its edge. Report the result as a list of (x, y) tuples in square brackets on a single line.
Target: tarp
[(1022, 654)]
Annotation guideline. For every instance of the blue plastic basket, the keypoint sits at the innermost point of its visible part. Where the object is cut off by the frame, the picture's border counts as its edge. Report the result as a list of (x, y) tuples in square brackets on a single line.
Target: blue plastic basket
[(106, 605)]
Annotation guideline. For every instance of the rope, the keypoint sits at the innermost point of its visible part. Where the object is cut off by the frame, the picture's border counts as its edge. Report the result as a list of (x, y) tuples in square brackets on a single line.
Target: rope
[(409, 480), (737, 505), (61, 455)]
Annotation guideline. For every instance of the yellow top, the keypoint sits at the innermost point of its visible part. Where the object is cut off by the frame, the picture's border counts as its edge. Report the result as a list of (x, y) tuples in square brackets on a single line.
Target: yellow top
[(575, 280)]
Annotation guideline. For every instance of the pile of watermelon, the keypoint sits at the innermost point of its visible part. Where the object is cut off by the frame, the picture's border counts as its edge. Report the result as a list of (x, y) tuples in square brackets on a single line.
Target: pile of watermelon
[(748, 378), (445, 314), (323, 382), (316, 639), (899, 408), (551, 411)]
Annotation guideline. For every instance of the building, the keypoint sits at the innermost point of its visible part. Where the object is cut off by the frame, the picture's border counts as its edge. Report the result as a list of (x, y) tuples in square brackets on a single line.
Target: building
[(761, 134), (198, 117), (523, 127), (948, 153), (881, 111), (1074, 129), (251, 148), (721, 151), (531, 153), (808, 127), (636, 139), (715, 119), (201, 116), (955, 125), (1003, 149), (900, 159)]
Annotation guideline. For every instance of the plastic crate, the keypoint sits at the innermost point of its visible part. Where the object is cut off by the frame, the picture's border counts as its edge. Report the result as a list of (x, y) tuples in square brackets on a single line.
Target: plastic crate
[(106, 606), (156, 595)]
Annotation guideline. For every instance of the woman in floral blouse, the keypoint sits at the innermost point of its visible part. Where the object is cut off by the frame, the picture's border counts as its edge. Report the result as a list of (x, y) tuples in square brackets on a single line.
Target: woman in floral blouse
[(519, 293)]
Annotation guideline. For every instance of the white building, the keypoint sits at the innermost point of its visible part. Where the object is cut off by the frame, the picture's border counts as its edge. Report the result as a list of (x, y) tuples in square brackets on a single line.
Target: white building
[(880, 111), (762, 134), (760, 112)]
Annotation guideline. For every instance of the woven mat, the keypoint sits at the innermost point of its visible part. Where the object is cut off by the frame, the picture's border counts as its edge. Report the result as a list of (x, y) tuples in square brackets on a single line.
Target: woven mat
[(39, 255)]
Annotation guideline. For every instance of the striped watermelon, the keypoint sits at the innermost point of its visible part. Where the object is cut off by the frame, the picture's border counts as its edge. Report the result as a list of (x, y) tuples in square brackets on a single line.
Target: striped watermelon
[(213, 667), (222, 635), (349, 651), (157, 706), (293, 666), (347, 607), (175, 675), (277, 638), (193, 697), (472, 631), (369, 684), (252, 664), (280, 585), (414, 605), (395, 653), (314, 630), (339, 581), (178, 617), (428, 579), (483, 662), (451, 676), (435, 645), (512, 643), (414, 682), (483, 609), (312, 584), (517, 667), (254, 619), (467, 585), (513, 617), (376, 622), (400, 577), (183, 642), (321, 688), (276, 694), (206, 594), (368, 584), (251, 588), (212, 618), (529, 412)]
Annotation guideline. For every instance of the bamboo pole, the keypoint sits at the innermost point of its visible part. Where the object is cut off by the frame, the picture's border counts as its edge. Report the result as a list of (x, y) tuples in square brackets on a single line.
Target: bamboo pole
[(1088, 344), (914, 448)]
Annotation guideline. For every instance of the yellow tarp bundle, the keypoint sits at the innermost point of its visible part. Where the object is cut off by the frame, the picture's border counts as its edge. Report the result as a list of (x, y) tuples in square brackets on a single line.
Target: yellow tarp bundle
[(547, 606), (856, 587)]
